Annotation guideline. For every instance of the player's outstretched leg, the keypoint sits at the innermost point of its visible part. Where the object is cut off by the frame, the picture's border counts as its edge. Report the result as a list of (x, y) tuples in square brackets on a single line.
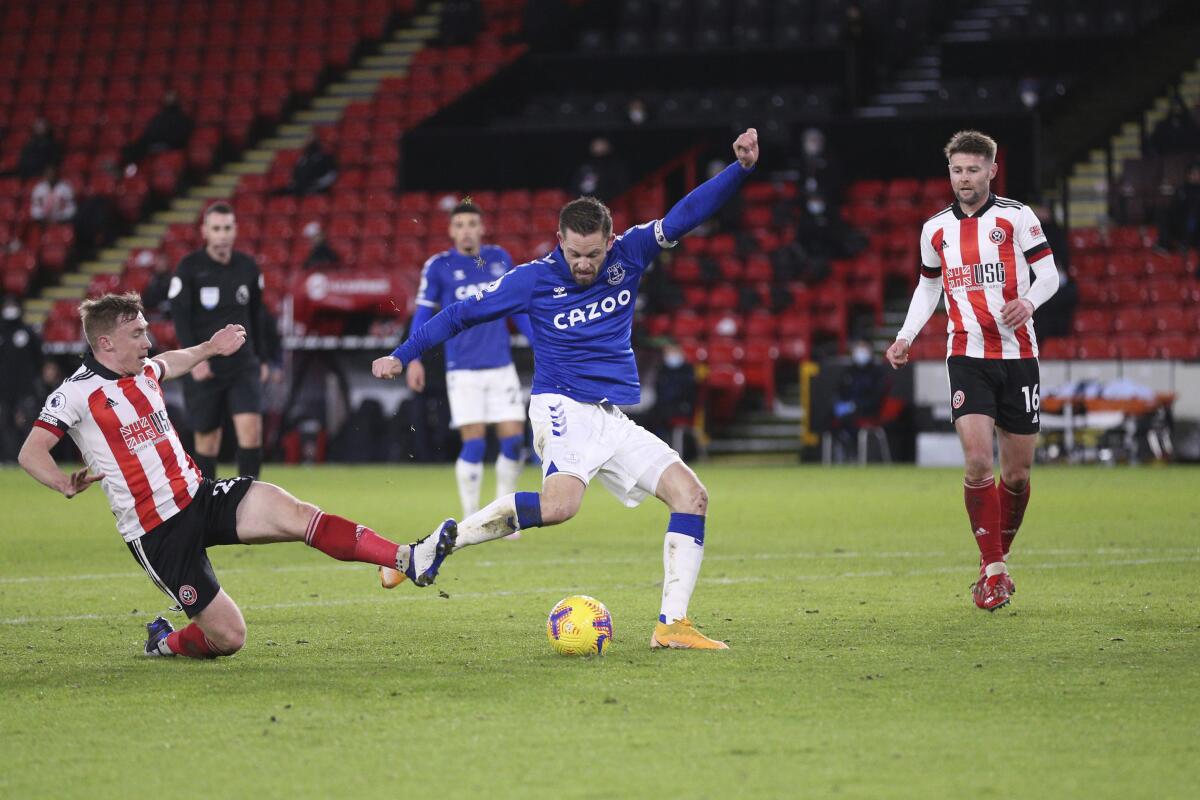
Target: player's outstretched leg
[(683, 552), (468, 472)]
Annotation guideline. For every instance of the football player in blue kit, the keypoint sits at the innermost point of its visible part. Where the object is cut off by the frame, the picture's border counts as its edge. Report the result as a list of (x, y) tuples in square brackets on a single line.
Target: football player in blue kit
[(580, 301), (481, 381)]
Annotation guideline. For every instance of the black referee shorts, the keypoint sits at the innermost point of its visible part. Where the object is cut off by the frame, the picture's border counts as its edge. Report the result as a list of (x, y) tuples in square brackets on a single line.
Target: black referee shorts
[(1005, 389), (234, 393), (173, 554)]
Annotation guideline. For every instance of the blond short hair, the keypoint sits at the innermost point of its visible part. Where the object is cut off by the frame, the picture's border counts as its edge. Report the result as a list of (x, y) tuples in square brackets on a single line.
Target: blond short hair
[(102, 315)]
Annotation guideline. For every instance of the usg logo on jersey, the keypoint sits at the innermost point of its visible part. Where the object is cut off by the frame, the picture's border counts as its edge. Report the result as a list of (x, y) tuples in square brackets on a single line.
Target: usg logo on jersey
[(616, 274), (594, 310)]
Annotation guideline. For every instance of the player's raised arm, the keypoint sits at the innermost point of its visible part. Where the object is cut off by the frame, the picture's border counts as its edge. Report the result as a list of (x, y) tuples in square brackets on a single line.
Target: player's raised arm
[(224, 342), (508, 295), (707, 198)]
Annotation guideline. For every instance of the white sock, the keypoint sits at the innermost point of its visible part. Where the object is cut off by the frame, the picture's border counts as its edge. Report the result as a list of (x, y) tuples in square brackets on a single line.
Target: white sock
[(681, 566), (497, 519), (507, 472), (469, 476)]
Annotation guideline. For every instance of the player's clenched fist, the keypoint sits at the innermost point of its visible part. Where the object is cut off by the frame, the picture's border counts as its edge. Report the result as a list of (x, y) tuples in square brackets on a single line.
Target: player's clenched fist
[(228, 340), (388, 368), (897, 354), (746, 148)]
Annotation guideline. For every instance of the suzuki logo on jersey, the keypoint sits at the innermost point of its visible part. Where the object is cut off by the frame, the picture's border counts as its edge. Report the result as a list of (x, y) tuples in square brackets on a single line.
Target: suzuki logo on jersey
[(146, 431), (974, 277), (596, 310)]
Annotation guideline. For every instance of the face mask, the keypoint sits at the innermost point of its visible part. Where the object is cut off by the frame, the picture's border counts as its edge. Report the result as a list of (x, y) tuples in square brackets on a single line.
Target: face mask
[(12, 312), (861, 356), (637, 116), (673, 360), (816, 207)]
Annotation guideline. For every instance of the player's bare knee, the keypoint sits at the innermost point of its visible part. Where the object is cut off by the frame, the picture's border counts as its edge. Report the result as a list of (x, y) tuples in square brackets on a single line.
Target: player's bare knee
[(229, 638), (978, 466), (1016, 478)]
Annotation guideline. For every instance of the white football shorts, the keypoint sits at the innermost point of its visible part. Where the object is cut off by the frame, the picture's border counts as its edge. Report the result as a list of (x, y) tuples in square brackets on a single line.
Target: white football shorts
[(484, 395), (590, 439)]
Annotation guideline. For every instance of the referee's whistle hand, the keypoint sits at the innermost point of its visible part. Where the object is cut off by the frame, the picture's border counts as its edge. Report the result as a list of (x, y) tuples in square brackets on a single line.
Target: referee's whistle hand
[(387, 368)]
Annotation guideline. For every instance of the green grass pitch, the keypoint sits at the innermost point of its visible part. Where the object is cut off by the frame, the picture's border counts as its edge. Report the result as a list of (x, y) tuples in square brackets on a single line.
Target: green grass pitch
[(859, 666)]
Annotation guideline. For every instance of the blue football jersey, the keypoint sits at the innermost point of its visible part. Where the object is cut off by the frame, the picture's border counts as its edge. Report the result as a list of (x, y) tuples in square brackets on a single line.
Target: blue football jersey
[(581, 334), (450, 276)]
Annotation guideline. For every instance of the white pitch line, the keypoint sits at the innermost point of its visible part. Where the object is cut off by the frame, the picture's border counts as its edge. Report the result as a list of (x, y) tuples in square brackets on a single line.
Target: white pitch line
[(554, 590), (563, 562)]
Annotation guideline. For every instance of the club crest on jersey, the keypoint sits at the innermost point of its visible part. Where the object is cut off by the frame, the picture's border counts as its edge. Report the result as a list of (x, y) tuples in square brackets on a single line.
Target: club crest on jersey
[(152, 384), (459, 275), (187, 595), (616, 274), (958, 399), (997, 236)]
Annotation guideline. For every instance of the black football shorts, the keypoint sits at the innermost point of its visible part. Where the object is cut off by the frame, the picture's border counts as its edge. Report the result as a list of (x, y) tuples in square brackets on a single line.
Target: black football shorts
[(208, 401), (1005, 389), (173, 554)]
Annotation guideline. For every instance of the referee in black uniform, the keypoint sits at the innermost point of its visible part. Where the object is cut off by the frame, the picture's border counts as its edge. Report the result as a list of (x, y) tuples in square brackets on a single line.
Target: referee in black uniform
[(212, 288)]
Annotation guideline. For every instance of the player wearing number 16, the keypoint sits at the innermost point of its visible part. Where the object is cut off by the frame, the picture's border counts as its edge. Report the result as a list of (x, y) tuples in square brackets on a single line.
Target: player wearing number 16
[(978, 252)]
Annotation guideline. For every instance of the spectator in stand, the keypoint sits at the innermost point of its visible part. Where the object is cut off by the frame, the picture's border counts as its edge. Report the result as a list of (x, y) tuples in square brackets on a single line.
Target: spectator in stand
[(1179, 132), (156, 296), (603, 175), (21, 365), (315, 172), (40, 151), (675, 393), (52, 199), (322, 255), (1181, 227), (818, 173), (859, 395), (169, 129)]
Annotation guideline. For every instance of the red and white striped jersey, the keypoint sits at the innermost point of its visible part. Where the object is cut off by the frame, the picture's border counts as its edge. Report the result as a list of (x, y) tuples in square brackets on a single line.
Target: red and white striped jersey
[(120, 425), (983, 261)]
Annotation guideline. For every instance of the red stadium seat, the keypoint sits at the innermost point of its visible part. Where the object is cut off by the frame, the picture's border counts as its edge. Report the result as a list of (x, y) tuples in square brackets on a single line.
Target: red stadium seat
[(1134, 321), (1095, 347)]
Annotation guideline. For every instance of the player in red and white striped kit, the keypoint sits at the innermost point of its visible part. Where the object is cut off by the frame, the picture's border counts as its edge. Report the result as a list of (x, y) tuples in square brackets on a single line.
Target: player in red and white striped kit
[(167, 513), (978, 253)]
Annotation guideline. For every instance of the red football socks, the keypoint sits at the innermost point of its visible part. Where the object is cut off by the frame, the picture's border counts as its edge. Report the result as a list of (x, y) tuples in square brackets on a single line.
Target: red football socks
[(344, 540), (191, 642), (983, 508), (1012, 511)]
